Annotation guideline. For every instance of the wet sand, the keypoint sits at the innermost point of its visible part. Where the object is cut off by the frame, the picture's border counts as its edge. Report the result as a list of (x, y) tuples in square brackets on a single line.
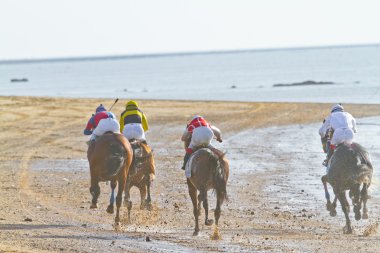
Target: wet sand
[(275, 202)]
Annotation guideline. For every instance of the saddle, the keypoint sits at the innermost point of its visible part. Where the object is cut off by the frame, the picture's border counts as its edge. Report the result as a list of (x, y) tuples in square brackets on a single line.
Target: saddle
[(217, 152)]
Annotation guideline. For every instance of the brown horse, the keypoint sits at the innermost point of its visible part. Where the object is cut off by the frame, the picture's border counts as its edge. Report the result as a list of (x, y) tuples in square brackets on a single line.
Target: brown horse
[(141, 175), (209, 170), (350, 169), (110, 158)]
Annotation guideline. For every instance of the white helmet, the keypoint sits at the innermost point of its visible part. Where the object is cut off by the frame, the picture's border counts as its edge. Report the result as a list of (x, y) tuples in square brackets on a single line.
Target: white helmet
[(337, 108)]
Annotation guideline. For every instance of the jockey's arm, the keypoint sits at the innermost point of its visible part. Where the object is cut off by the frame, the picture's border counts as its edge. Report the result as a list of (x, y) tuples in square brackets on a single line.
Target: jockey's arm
[(354, 125), (217, 133), (144, 122), (186, 136), (324, 128), (90, 126)]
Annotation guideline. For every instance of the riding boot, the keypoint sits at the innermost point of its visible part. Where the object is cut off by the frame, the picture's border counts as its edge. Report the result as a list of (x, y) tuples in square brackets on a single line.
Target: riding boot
[(329, 154), (185, 159)]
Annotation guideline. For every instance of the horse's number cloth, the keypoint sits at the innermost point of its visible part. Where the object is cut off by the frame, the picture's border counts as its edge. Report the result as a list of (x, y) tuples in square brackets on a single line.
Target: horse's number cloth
[(188, 166)]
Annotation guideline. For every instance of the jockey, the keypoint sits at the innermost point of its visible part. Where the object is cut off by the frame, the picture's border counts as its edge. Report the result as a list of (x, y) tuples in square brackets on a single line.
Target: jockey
[(201, 133), (340, 126), (133, 122), (101, 122)]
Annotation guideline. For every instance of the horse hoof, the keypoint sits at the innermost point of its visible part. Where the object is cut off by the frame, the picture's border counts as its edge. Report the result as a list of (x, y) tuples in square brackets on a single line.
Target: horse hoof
[(333, 213), (329, 206), (142, 206), (149, 206), (358, 216), (110, 209), (196, 233), (117, 226), (209, 222), (365, 216), (347, 230), (93, 206)]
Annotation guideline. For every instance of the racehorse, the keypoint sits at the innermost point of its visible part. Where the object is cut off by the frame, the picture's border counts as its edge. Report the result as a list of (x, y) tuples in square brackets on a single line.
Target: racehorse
[(141, 175), (350, 168), (110, 158), (209, 170)]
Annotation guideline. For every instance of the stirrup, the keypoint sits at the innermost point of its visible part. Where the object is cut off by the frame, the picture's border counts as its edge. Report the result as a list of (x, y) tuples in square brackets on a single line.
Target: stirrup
[(325, 162)]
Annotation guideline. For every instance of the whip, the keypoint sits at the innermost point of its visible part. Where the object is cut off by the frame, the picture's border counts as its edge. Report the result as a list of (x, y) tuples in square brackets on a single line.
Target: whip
[(113, 104)]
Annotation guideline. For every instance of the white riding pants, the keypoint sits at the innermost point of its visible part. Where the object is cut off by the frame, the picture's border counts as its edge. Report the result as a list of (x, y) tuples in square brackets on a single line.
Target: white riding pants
[(134, 131), (201, 136), (341, 135), (106, 125)]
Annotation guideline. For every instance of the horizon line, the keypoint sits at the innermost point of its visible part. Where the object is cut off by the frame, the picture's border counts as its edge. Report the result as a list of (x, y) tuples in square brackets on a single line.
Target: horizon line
[(172, 54)]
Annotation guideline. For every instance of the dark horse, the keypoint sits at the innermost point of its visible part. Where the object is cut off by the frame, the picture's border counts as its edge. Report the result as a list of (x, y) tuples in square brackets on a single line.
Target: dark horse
[(110, 158), (141, 175), (209, 170), (350, 169)]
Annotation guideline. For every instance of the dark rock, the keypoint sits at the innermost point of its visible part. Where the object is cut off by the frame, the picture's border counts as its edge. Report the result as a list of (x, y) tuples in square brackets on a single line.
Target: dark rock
[(309, 82), (147, 239), (28, 219), (15, 80)]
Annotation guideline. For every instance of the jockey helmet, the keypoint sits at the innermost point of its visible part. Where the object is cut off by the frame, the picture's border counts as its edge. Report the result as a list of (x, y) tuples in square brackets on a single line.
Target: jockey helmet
[(337, 108), (100, 108), (131, 103), (197, 116)]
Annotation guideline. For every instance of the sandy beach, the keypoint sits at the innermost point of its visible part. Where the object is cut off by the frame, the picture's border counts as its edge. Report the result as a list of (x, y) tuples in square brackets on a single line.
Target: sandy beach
[(276, 201)]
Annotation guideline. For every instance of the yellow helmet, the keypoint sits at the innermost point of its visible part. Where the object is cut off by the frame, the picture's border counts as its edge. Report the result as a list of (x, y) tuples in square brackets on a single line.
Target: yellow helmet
[(131, 103)]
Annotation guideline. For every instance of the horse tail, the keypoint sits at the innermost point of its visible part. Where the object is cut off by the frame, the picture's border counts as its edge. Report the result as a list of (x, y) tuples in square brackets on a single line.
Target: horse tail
[(219, 176), (115, 160), (364, 165)]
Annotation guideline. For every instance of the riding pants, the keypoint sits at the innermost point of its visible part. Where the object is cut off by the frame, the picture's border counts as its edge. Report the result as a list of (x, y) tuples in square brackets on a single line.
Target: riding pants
[(134, 131), (201, 136), (106, 125), (342, 135)]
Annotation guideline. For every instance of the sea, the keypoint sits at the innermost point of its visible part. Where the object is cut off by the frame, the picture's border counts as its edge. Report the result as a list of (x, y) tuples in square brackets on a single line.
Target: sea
[(349, 74)]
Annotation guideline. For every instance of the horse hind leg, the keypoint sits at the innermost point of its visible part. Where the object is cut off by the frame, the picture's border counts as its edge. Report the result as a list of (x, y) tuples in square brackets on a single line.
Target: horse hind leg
[(356, 201), (110, 208), (95, 192), (199, 204), (203, 194), (193, 196), (148, 199), (119, 199), (127, 197), (216, 235), (329, 206), (143, 203), (364, 198), (345, 208)]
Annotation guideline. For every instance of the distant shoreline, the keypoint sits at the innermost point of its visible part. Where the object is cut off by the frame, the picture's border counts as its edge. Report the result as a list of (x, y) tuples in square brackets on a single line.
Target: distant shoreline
[(173, 54)]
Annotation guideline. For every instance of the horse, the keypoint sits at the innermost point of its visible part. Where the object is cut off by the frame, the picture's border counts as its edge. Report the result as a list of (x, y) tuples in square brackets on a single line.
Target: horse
[(209, 170), (141, 175), (110, 158), (350, 168)]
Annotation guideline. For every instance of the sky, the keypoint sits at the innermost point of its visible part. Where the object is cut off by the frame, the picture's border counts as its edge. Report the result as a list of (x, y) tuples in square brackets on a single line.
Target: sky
[(73, 28)]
